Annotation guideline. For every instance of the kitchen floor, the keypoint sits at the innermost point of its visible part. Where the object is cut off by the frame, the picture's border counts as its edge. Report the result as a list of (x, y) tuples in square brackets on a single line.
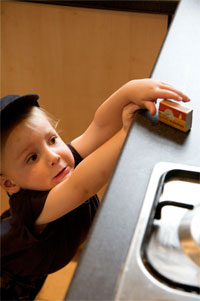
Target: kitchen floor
[(56, 284)]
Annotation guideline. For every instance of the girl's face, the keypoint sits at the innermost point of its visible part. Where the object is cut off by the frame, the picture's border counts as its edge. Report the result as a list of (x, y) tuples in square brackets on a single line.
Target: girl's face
[(35, 157)]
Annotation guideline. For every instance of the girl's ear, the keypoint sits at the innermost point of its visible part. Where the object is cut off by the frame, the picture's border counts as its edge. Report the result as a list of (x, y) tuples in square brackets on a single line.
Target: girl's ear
[(8, 185)]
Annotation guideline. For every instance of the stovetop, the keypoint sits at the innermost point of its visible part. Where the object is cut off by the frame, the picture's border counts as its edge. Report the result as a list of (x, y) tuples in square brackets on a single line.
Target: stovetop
[(163, 263)]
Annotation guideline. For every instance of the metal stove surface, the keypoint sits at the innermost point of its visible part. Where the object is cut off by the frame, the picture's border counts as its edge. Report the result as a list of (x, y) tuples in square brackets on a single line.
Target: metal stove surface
[(157, 266), (164, 251)]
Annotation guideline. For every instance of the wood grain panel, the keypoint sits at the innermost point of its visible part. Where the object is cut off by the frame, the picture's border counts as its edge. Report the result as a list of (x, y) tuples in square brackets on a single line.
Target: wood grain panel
[(74, 58)]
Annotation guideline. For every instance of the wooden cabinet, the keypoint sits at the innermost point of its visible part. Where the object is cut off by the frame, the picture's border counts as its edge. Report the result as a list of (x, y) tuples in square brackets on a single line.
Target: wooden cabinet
[(74, 58)]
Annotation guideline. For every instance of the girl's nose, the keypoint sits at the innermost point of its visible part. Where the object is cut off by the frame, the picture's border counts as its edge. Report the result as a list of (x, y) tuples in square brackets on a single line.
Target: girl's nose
[(53, 158)]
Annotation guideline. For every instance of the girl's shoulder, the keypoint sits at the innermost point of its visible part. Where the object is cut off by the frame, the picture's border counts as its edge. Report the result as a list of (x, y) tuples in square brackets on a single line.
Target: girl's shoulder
[(26, 205)]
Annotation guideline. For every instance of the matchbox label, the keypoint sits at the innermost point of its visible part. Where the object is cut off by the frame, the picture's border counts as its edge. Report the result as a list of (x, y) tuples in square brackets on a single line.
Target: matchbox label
[(175, 115), (173, 112)]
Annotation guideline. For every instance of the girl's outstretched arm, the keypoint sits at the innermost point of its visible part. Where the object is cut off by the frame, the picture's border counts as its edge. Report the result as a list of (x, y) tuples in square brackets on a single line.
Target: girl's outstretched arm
[(107, 120)]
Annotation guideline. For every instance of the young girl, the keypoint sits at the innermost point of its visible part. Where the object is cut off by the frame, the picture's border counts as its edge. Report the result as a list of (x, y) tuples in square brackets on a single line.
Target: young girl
[(53, 185)]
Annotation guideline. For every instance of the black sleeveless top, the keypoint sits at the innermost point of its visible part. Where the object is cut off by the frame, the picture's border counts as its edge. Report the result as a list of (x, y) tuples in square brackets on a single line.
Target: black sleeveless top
[(25, 253)]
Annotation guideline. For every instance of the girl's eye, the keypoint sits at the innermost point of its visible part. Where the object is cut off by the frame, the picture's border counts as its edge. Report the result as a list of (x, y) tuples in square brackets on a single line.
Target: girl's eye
[(52, 140), (32, 159)]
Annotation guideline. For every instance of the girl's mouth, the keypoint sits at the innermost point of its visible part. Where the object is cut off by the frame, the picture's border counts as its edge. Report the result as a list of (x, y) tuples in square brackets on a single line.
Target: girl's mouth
[(61, 174)]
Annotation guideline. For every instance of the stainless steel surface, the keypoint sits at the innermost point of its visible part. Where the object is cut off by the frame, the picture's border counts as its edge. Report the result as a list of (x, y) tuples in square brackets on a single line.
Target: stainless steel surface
[(189, 234), (162, 249)]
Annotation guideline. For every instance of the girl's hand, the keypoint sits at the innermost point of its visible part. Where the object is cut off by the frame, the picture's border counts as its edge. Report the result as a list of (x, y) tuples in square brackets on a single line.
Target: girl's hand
[(144, 93)]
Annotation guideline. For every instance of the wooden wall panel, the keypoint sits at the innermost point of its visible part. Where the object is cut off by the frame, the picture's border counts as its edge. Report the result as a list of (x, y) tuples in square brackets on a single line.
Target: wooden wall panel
[(74, 58)]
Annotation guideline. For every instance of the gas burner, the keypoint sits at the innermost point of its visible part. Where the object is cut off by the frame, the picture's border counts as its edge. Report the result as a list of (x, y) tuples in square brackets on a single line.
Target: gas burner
[(174, 246), (164, 256), (189, 234)]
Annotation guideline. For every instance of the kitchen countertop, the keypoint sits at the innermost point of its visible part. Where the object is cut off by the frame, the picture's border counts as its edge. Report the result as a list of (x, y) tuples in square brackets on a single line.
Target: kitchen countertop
[(148, 143)]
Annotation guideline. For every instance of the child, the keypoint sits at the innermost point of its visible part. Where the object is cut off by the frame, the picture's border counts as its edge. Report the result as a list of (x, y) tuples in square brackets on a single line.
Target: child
[(53, 185)]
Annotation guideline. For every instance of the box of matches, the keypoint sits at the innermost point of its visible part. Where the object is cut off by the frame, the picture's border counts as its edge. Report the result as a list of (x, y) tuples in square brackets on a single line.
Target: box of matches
[(175, 115)]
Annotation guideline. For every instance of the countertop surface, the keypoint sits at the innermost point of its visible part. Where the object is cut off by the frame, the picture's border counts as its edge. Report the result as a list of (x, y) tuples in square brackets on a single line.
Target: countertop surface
[(148, 143)]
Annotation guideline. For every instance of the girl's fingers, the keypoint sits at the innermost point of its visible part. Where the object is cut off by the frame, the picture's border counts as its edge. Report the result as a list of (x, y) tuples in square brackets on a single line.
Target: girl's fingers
[(173, 94), (150, 106), (168, 87)]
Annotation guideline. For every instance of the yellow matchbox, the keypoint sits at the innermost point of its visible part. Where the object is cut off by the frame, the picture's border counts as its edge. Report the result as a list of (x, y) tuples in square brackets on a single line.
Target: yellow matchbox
[(175, 115)]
